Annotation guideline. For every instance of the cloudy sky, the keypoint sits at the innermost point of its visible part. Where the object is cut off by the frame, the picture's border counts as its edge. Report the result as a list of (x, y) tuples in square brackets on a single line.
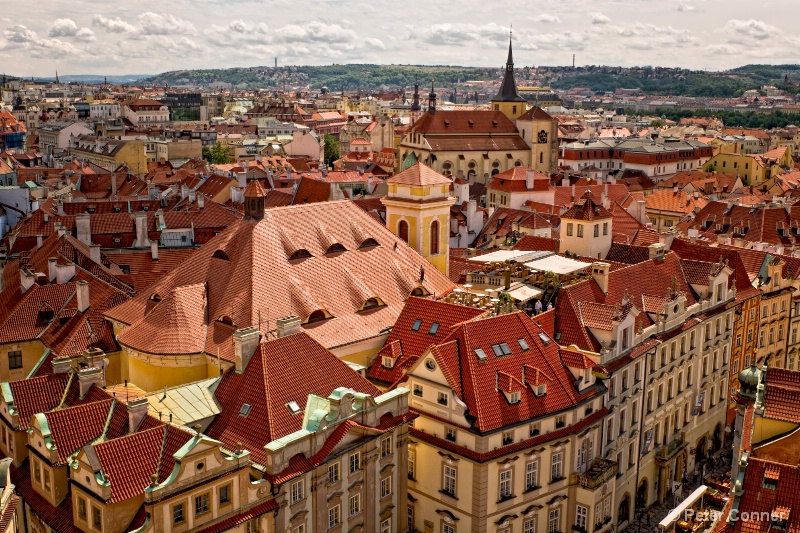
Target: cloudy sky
[(152, 36)]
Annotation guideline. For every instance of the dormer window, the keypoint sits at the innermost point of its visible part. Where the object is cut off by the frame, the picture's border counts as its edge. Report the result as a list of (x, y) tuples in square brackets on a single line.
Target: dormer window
[(387, 362), (220, 254), (541, 390), (318, 316), (368, 243), (155, 297), (371, 303), (300, 254), (513, 398), (293, 407), (225, 319), (335, 248)]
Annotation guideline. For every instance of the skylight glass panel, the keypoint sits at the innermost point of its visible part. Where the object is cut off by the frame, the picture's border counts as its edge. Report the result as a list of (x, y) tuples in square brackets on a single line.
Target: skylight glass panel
[(416, 325)]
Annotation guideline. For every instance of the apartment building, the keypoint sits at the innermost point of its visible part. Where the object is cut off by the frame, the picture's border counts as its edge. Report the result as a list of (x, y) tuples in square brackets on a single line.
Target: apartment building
[(661, 333)]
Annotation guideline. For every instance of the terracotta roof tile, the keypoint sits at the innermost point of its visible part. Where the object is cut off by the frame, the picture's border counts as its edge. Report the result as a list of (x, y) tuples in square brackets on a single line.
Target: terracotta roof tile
[(418, 174)]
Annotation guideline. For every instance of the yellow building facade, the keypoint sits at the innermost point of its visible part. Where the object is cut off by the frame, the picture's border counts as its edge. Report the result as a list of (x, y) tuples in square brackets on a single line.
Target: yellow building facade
[(418, 211)]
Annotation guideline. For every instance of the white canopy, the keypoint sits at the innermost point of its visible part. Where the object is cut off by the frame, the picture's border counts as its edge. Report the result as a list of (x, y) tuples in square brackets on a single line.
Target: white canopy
[(677, 513), (506, 255), (557, 264), (523, 292)]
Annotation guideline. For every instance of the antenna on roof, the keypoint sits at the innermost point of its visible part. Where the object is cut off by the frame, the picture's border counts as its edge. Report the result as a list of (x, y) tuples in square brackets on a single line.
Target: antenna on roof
[(219, 362)]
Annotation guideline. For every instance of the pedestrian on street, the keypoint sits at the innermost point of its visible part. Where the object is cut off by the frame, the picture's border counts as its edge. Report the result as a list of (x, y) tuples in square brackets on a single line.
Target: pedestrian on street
[(648, 518)]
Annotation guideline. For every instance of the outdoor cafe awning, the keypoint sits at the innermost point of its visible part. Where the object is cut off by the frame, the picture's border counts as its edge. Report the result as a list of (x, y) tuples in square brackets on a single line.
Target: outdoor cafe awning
[(678, 512)]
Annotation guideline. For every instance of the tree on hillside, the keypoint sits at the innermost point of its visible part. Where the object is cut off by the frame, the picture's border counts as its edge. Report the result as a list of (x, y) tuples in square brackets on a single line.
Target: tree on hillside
[(217, 154), (331, 149)]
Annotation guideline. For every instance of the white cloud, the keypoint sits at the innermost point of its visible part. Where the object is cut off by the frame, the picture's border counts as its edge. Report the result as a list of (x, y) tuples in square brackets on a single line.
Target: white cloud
[(686, 7), (599, 18), (63, 28), (755, 29), (164, 24), (115, 25), (86, 35), (544, 17)]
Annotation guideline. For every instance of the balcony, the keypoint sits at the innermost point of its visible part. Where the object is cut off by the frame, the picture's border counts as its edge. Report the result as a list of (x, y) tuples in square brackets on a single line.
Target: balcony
[(669, 450), (601, 471)]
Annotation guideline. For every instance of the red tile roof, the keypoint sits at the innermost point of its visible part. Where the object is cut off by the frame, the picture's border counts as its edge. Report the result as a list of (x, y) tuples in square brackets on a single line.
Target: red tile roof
[(473, 379), (241, 516), (464, 122), (249, 264), (587, 209), (419, 175), (270, 382), (131, 460), (405, 344), (58, 518), (74, 427)]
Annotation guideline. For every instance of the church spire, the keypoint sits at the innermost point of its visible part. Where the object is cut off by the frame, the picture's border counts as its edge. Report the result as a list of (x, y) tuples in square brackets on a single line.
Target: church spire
[(508, 89), (432, 100), (415, 106), (57, 82)]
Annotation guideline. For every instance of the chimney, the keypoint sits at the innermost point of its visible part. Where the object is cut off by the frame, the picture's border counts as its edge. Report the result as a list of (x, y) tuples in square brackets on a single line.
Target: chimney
[(83, 228), (573, 190), (51, 269), (82, 294), (245, 342), (64, 273), (192, 196), (137, 410), (62, 365), (113, 184), (287, 325), (39, 241), (27, 279), (184, 191), (656, 251), (46, 217), (154, 250), (94, 253), (529, 176), (60, 207), (600, 275), (140, 218), (89, 377), (201, 200)]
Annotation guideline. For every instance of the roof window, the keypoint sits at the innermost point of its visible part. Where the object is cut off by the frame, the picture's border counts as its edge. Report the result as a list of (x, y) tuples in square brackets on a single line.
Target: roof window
[(434, 328), (245, 410), (293, 407), (417, 323)]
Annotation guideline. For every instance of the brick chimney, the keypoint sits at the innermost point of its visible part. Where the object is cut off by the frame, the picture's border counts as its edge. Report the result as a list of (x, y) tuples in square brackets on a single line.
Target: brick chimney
[(94, 253), (600, 274), (83, 228), (64, 273), (27, 279), (287, 325), (51, 269), (201, 200), (39, 241), (140, 220), (82, 294), (89, 377), (137, 410), (245, 343), (656, 251), (154, 250), (113, 184)]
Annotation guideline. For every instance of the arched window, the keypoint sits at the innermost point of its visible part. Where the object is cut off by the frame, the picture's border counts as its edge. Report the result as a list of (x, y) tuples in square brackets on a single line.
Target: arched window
[(435, 237), (402, 230)]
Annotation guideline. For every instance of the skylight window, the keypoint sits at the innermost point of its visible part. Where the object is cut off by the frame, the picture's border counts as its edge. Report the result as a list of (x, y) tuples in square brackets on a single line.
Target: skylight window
[(501, 349), (434, 328), (293, 407), (245, 410), (481, 354), (545, 338), (416, 325), (523, 344)]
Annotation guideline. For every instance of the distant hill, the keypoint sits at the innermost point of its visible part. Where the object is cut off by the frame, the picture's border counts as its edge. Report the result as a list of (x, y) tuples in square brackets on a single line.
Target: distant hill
[(335, 77), (123, 79)]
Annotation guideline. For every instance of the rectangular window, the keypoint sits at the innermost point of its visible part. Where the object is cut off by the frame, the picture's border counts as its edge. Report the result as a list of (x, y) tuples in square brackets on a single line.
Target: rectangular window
[(412, 463), (554, 521), (355, 504), (334, 472), (334, 516), (556, 467), (201, 504), (505, 484), (449, 480), (450, 434), (299, 529), (529, 525), (82, 508), (531, 474), (225, 495), (569, 229), (355, 462), (97, 519), (37, 472), (417, 390), (14, 359), (441, 398), (386, 446), (561, 421), (386, 486), (386, 526), (597, 230), (581, 513), (605, 228), (177, 514), (580, 230), (298, 490), (46, 475), (447, 528)]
